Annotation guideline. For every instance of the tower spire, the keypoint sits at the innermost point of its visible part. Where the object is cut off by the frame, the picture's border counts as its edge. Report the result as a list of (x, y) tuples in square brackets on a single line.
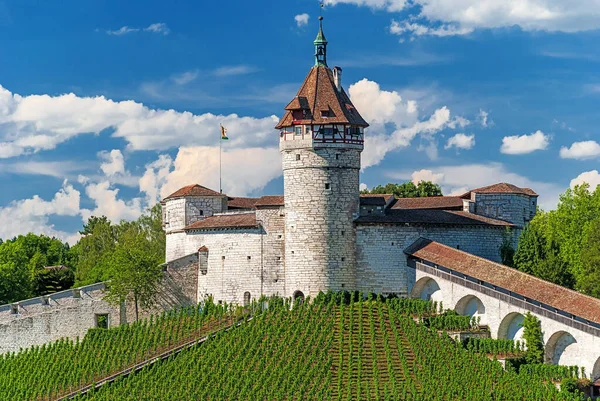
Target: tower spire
[(320, 46)]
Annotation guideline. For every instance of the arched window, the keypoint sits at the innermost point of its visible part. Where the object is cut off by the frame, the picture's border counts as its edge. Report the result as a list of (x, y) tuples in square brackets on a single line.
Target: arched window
[(247, 298)]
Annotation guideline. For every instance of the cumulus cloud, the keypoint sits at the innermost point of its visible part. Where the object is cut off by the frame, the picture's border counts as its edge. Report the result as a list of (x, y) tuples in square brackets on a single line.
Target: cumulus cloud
[(581, 150), (483, 118), (456, 180), (461, 141), (108, 204), (520, 145), (34, 123), (590, 177), (155, 177), (387, 108), (301, 19), (448, 17), (32, 215), (244, 170)]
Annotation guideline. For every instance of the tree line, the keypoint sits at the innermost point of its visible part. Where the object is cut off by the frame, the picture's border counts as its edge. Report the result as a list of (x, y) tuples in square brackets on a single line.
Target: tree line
[(128, 254)]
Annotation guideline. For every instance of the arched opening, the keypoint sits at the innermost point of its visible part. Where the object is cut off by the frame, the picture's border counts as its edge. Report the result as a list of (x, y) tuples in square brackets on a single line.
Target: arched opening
[(511, 326), (426, 288), (470, 305), (560, 348), (298, 297), (596, 371), (247, 298)]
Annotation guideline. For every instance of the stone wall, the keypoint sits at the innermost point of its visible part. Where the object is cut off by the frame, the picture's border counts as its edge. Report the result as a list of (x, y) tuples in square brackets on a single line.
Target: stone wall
[(321, 190), (515, 208), (63, 315), (381, 262)]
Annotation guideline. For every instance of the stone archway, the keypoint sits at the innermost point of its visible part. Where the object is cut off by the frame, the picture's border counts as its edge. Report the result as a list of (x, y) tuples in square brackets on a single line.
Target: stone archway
[(511, 326), (298, 296), (560, 349), (596, 371), (247, 298), (426, 288), (470, 305)]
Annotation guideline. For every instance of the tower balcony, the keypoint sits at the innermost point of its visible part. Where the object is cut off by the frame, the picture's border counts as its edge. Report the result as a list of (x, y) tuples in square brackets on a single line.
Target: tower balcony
[(302, 135)]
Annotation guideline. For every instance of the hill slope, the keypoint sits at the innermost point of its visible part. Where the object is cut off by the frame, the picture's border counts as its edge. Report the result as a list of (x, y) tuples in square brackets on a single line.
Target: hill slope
[(325, 351)]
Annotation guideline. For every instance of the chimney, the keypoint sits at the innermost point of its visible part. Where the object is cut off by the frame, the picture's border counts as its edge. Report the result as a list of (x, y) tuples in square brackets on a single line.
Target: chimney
[(337, 78)]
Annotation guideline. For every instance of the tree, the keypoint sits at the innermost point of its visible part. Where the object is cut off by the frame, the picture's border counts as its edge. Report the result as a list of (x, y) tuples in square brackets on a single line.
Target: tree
[(589, 281), (407, 189), (533, 336), (539, 256), (88, 228), (135, 268), (94, 251)]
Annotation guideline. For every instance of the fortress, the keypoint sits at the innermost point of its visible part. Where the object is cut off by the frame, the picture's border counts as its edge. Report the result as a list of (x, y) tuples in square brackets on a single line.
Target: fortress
[(322, 234)]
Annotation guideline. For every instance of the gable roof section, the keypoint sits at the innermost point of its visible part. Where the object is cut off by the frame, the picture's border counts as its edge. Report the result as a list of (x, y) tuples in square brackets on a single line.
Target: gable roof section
[(375, 199), (507, 278), (318, 93), (500, 188), (431, 216), (241, 203), (238, 220), (193, 190), (431, 202), (270, 200)]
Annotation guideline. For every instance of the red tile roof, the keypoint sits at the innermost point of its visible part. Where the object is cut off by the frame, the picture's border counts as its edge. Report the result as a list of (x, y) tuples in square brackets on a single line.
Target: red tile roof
[(432, 202), (270, 200), (241, 203), (193, 190), (431, 216), (510, 279), (501, 188), (318, 93), (238, 220)]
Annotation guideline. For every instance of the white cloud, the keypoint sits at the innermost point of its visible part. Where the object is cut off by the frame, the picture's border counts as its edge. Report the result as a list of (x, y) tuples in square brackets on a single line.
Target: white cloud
[(520, 145), (155, 177), (57, 169), (244, 170), (231, 70), (483, 118), (456, 180), (32, 215), (159, 27), (185, 77), (113, 162), (461, 141), (122, 31), (301, 19), (381, 108), (581, 150), (107, 203), (40, 122), (362, 186), (590, 177), (446, 17)]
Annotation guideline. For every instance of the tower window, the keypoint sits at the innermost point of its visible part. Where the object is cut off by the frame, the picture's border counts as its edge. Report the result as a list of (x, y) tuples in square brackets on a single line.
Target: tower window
[(249, 257), (327, 185), (343, 259), (278, 257), (201, 212), (298, 130), (297, 157), (343, 232), (222, 257), (324, 113), (337, 156)]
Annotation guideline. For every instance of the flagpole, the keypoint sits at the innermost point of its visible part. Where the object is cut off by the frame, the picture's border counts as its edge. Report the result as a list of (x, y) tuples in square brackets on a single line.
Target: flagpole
[(220, 150)]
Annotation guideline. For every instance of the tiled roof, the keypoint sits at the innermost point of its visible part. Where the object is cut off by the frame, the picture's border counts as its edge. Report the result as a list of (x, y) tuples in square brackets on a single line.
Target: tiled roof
[(508, 278), (193, 190), (432, 202), (431, 216), (238, 220), (375, 199), (501, 188), (270, 200), (241, 203), (318, 93)]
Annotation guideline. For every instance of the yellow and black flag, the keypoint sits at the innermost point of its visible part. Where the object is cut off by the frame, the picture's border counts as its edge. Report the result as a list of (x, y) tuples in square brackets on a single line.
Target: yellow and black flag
[(224, 133)]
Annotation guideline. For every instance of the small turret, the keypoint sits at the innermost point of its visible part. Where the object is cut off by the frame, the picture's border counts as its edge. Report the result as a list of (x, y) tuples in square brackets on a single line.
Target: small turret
[(320, 46)]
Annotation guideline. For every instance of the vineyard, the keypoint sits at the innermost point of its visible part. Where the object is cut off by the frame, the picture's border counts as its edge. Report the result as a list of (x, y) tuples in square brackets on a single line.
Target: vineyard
[(335, 348)]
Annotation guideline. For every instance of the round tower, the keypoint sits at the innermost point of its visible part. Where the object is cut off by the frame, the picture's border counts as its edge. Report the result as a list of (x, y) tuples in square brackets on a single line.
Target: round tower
[(321, 138)]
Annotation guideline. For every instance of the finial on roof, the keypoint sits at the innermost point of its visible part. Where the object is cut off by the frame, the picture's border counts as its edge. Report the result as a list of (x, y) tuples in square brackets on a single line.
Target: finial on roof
[(320, 45)]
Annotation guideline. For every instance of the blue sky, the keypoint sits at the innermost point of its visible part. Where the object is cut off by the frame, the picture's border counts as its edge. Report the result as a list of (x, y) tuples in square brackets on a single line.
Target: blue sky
[(105, 107)]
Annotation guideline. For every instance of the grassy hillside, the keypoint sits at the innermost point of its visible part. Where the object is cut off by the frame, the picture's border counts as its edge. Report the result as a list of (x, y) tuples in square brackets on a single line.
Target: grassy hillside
[(325, 350)]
